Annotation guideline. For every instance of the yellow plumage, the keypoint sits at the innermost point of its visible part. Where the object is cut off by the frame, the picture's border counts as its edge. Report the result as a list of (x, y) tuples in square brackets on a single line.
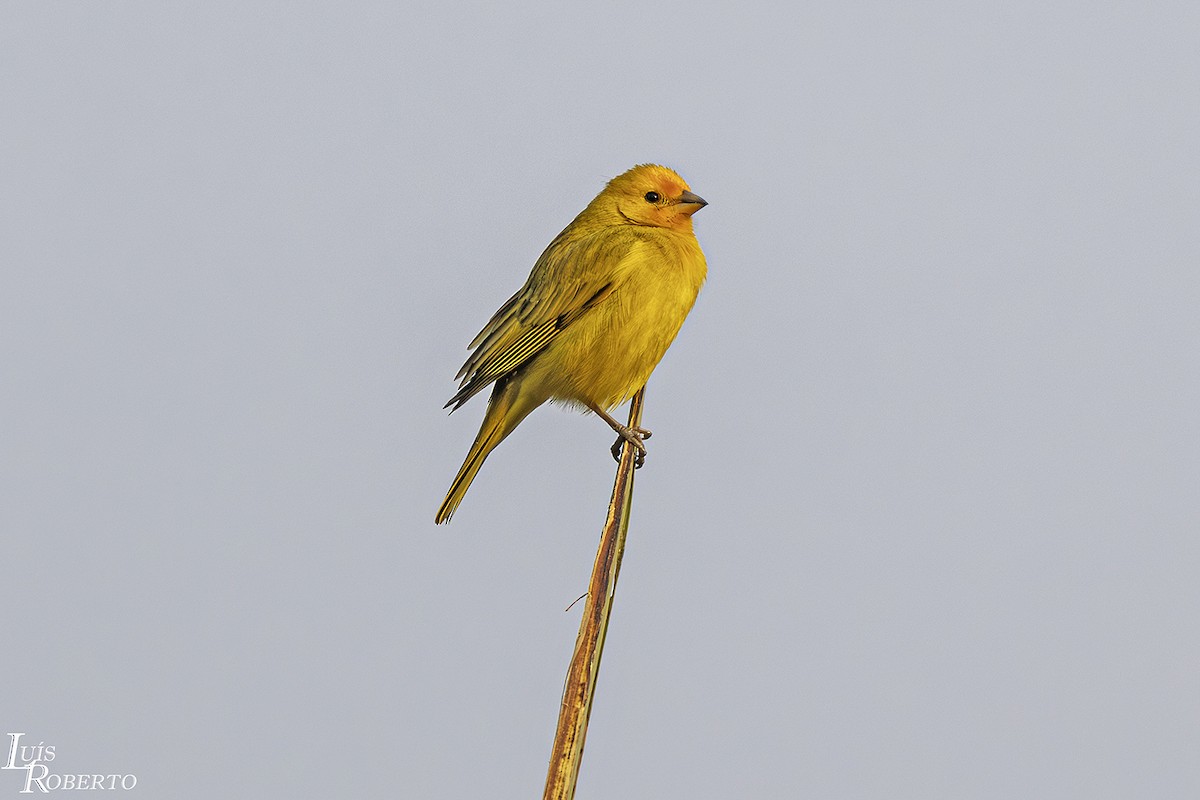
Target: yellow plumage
[(600, 308)]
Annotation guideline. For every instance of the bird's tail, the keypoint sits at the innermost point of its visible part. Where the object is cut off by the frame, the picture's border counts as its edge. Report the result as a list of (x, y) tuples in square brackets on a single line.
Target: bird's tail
[(504, 411)]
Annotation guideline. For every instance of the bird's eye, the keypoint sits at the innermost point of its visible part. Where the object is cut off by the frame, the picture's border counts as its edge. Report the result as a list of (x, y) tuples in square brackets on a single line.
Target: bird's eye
[(652, 197)]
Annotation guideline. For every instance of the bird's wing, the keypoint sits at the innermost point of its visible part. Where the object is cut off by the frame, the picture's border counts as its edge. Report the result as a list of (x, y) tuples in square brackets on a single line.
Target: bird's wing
[(569, 278)]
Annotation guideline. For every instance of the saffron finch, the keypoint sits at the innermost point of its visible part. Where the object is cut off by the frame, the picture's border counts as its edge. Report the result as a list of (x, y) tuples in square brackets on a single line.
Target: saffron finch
[(600, 308)]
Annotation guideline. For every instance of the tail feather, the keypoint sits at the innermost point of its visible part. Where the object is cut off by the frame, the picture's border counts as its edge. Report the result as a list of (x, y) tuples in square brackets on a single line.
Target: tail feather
[(507, 406), (485, 442)]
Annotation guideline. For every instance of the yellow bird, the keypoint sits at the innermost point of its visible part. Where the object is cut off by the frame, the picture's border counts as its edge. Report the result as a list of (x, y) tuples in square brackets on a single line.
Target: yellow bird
[(600, 308)]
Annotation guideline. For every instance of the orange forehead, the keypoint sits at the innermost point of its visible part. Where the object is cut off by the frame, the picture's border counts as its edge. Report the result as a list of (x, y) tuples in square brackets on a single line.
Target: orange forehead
[(671, 187), (663, 180)]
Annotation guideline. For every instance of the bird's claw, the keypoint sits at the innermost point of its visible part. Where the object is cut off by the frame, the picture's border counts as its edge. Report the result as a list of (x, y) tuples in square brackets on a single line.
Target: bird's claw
[(635, 437)]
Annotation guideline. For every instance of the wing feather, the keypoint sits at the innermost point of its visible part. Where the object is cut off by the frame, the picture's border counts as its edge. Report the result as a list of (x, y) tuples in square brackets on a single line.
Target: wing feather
[(571, 277)]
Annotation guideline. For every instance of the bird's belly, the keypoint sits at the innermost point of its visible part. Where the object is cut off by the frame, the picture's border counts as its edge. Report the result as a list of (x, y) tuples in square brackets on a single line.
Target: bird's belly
[(608, 355)]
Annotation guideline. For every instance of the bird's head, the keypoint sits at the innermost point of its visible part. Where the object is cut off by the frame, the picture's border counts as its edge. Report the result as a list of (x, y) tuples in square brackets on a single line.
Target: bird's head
[(650, 195)]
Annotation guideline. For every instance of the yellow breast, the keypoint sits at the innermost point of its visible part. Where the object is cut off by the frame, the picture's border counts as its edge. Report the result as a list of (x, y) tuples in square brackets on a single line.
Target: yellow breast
[(609, 353)]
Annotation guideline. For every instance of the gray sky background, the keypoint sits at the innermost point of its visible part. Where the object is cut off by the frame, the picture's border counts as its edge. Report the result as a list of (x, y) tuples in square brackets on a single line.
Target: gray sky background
[(920, 515)]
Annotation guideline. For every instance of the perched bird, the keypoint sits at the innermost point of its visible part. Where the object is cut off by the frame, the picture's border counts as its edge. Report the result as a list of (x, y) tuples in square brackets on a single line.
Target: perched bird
[(600, 308)]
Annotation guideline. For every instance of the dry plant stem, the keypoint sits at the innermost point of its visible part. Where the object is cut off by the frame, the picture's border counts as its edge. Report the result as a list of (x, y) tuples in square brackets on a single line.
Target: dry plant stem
[(589, 645)]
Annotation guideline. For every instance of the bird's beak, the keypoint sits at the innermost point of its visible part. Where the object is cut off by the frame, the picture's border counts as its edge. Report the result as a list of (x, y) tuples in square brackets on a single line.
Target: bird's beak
[(687, 198)]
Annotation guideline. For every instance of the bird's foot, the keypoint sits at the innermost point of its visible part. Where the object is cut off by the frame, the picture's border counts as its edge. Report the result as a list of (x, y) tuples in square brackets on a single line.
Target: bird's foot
[(635, 436)]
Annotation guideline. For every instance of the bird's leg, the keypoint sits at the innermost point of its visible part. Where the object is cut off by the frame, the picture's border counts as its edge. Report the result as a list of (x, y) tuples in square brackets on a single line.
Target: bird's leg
[(635, 436)]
